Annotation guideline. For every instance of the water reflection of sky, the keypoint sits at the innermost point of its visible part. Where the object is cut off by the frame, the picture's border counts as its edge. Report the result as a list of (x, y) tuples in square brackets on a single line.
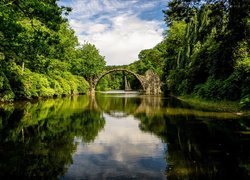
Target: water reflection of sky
[(121, 150)]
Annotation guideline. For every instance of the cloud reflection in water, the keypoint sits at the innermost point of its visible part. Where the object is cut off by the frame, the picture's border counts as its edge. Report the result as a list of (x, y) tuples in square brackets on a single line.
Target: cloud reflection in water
[(121, 150)]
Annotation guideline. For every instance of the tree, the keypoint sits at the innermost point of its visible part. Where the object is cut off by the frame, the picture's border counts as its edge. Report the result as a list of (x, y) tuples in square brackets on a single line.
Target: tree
[(88, 63), (202, 43), (28, 25), (36, 48)]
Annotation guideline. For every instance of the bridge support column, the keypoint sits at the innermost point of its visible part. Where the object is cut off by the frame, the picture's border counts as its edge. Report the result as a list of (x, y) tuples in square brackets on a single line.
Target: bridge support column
[(147, 90), (152, 83)]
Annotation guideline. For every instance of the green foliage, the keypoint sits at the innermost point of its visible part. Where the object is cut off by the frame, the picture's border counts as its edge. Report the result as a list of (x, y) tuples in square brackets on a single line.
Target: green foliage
[(103, 84), (65, 50), (38, 51), (114, 81), (88, 63), (177, 76), (207, 49), (28, 84), (34, 85), (28, 29), (245, 102), (150, 59), (56, 86), (210, 90), (66, 83), (77, 83), (6, 93)]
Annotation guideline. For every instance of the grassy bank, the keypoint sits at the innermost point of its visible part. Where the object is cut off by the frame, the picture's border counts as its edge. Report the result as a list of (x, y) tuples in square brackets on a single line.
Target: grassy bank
[(214, 105)]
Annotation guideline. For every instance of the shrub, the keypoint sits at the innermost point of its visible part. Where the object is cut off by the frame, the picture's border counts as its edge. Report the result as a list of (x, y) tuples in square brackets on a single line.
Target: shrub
[(212, 89), (178, 83), (245, 102), (70, 84), (72, 81), (27, 84), (54, 84), (82, 85), (63, 83), (6, 93)]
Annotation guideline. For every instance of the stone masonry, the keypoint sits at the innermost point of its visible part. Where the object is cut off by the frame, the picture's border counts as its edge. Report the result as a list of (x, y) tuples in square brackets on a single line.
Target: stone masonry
[(150, 82)]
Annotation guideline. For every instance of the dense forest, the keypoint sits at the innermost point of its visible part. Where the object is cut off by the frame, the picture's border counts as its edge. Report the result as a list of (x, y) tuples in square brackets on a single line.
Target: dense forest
[(204, 53), (207, 49), (39, 53)]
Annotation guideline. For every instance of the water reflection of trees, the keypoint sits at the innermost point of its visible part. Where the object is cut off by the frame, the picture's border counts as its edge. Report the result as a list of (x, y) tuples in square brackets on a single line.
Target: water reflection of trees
[(202, 148), (37, 140), (125, 105), (201, 144)]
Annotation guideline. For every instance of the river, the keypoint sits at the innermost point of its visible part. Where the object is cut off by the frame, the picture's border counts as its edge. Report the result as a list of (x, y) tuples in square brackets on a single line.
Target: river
[(121, 136)]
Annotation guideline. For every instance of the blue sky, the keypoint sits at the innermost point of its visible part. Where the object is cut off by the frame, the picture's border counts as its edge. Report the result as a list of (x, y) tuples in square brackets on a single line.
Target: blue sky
[(120, 29)]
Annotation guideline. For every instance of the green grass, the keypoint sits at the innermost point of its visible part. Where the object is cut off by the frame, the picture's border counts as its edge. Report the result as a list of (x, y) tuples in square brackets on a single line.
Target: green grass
[(213, 105)]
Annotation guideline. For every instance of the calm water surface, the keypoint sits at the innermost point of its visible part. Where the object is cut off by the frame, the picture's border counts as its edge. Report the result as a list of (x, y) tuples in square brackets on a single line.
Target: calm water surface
[(121, 136)]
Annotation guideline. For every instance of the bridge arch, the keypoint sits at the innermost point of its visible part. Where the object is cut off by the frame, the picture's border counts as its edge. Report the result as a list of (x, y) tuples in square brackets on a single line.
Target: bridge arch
[(137, 76), (150, 82)]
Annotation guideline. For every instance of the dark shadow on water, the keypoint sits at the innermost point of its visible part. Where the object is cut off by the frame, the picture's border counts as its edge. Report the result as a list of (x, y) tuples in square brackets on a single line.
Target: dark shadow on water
[(38, 139)]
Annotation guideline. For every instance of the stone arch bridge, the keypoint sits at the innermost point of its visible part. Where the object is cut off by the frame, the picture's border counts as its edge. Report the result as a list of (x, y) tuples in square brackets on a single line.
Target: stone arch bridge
[(150, 82)]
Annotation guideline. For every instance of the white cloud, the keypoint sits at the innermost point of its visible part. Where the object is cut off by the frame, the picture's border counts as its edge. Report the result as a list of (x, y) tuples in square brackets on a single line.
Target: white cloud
[(115, 27)]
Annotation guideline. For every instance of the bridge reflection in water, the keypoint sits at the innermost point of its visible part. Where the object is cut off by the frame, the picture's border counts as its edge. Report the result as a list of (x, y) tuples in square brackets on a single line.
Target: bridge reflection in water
[(122, 105), (121, 136), (125, 104)]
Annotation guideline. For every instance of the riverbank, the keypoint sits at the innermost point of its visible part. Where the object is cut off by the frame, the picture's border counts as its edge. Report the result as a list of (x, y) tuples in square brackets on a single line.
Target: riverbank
[(214, 105), (18, 84)]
